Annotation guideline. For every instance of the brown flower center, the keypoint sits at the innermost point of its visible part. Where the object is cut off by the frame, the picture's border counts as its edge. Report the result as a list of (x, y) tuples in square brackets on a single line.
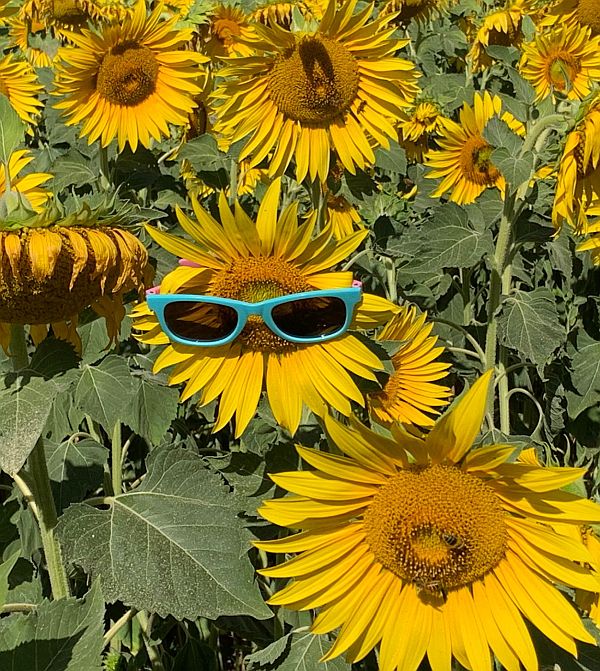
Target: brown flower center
[(127, 74), (588, 13), (562, 70), (475, 162), (223, 29), (437, 527), (255, 279), (316, 81)]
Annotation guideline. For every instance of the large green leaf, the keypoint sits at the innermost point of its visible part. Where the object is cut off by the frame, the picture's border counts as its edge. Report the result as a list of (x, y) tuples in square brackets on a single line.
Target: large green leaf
[(173, 546), (449, 240), (586, 375), (5, 569), (64, 635), (529, 323), (75, 468), (105, 391), (24, 411), (12, 130), (296, 652), (154, 408)]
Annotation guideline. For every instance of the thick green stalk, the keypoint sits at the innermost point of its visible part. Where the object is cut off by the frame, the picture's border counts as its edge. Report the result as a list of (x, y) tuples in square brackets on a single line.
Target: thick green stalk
[(500, 283), (117, 454), (40, 482)]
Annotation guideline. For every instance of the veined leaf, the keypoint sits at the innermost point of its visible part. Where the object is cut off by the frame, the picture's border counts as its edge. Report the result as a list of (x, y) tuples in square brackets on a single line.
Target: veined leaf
[(173, 546), (12, 130), (64, 635), (529, 323)]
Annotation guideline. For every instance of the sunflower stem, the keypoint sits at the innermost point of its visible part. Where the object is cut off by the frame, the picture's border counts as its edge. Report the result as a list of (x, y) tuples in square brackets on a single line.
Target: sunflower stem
[(18, 347), (500, 283), (37, 481), (233, 181), (117, 454), (317, 198), (104, 168)]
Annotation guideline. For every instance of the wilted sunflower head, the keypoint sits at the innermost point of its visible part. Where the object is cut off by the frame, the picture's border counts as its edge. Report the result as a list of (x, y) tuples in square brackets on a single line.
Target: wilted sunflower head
[(419, 11), (240, 259), (53, 266), (282, 13), (431, 546), (303, 95)]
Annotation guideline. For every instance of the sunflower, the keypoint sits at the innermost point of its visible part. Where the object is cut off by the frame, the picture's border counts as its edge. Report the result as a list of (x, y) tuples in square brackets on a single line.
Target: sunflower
[(282, 13), (592, 230), (464, 158), (6, 11), (51, 267), (305, 94), (26, 34), (568, 12), (19, 83), (130, 80), (416, 127), (419, 11), (501, 27), (425, 546), (226, 33), (29, 186), (248, 179), (411, 394), (566, 60), (251, 262), (344, 218), (589, 601), (578, 179)]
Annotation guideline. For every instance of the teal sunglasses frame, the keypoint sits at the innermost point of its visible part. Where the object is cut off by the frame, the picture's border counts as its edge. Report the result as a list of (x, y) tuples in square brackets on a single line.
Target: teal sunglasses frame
[(157, 302)]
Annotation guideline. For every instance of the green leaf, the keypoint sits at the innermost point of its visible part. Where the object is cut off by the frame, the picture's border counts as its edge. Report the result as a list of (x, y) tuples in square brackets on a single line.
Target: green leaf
[(448, 240), (75, 468), (529, 323), (175, 545), (64, 635), (12, 130), (270, 655), (73, 169), (204, 155), (392, 159), (53, 357), (104, 392), (498, 134), (5, 569), (154, 408), (305, 653), (586, 376), (24, 411), (515, 168)]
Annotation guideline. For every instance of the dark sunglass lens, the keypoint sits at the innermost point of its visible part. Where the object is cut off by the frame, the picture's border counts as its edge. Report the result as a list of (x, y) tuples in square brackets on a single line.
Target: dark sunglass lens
[(310, 317), (200, 322)]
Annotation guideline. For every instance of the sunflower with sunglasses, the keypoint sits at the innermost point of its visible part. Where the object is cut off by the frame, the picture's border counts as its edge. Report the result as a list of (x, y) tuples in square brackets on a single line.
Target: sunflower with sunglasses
[(254, 307)]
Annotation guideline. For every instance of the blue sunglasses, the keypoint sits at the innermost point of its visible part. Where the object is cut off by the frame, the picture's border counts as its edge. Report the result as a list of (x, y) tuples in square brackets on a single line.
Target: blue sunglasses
[(209, 321)]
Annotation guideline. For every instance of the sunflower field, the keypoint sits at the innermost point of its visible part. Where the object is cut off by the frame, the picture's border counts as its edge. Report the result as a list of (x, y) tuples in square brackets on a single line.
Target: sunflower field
[(300, 335)]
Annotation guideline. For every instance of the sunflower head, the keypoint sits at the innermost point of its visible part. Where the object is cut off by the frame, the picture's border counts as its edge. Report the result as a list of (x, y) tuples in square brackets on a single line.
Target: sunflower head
[(136, 72), (305, 94), (452, 545), (52, 266), (411, 394), (226, 33), (419, 11), (564, 61), (251, 261), (464, 157)]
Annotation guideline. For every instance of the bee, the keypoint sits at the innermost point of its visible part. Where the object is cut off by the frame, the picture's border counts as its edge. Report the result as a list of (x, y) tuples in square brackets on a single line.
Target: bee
[(431, 588), (453, 541)]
